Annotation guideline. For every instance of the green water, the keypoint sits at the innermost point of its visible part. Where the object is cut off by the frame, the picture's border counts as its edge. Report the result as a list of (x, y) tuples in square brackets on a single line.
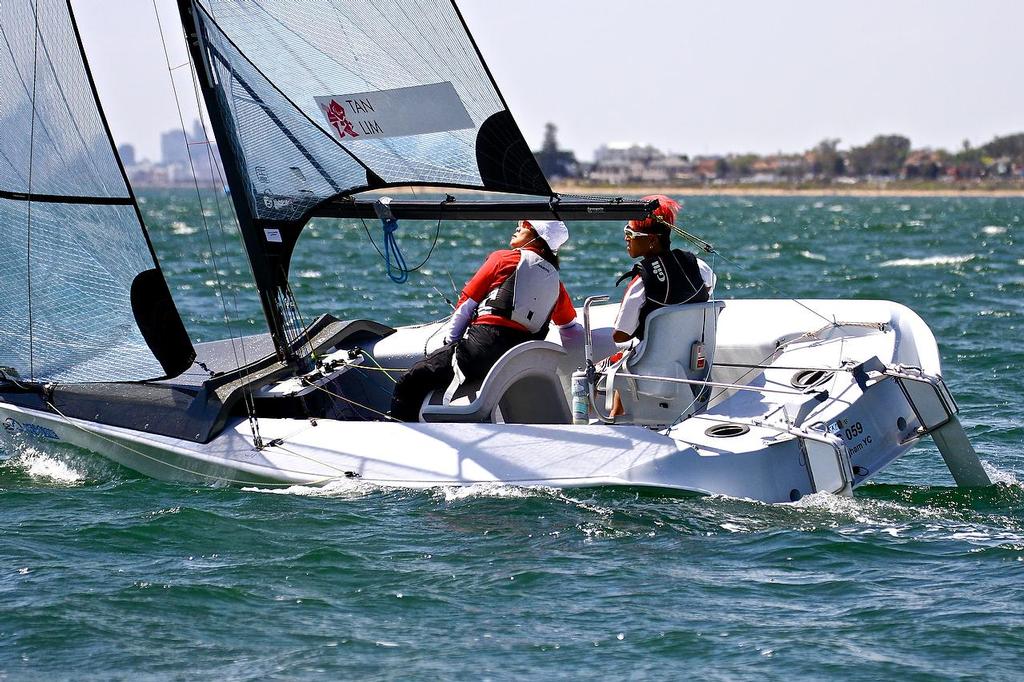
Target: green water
[(107, 575)]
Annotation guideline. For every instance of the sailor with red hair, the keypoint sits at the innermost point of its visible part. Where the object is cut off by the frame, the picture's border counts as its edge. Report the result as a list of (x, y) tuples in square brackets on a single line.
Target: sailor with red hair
[(663, 275)]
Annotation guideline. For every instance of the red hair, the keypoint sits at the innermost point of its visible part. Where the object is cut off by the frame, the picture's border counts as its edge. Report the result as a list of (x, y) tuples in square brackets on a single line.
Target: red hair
[(667, 210)]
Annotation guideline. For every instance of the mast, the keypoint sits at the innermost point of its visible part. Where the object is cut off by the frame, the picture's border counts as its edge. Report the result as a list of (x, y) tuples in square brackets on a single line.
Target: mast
[(304, 124), (268, 247)]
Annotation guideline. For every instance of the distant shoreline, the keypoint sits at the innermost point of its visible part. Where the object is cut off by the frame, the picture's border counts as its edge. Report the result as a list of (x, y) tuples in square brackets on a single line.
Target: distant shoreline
[(745, 191), (723, 190)]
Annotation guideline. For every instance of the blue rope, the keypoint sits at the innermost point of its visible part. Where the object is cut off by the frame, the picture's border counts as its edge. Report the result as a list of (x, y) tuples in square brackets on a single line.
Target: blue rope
[(399, 273)]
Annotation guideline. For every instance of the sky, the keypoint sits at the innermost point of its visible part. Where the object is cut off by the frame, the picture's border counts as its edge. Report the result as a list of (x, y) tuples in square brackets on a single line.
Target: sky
[(692, 77)]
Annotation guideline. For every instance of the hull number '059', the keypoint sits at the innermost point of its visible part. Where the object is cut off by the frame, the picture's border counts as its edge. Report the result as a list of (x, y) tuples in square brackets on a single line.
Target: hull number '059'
[(845, 429)]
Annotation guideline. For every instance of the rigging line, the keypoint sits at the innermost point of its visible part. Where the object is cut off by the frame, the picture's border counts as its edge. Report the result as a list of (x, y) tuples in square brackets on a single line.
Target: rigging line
[(778, 349), (293, 305), (28, 226), (707, 247), (379, 368), (430, 251), (386, 416), (249, 403), (215, 172), (343, 474), (195, 178), (740, 365)]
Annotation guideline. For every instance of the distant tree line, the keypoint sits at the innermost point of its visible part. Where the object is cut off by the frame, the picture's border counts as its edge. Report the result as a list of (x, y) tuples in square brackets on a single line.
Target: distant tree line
[(883, 158)]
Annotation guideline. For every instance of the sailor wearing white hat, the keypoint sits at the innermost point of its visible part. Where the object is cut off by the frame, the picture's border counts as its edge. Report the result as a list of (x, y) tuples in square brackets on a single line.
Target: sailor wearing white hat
[(512, 298)]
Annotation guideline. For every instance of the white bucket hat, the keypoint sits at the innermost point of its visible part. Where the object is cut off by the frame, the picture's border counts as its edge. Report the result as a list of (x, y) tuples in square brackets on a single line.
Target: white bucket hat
[(553, 232)]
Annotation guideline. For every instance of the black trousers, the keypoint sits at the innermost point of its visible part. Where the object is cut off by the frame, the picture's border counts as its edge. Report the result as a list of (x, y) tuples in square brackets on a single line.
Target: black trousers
[(476, 353)]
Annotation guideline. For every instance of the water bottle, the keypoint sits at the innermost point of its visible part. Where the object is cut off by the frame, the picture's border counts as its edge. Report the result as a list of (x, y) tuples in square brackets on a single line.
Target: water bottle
[(580, 397)]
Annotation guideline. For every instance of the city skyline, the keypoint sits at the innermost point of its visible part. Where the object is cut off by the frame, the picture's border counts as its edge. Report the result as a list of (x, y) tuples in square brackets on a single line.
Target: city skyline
[(736, 77)]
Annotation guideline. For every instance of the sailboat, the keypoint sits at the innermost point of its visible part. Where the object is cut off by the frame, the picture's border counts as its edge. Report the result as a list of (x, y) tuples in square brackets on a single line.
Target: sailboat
[(315, 105)]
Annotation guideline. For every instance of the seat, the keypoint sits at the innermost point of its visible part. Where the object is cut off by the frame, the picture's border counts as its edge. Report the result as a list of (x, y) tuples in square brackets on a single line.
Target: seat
[(669, 336), (522, 388)]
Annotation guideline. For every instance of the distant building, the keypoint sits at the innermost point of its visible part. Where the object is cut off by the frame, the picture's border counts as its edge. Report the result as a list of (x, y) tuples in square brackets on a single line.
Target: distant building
[(173, 147), (127, 154), (923, 164), (623, 162)]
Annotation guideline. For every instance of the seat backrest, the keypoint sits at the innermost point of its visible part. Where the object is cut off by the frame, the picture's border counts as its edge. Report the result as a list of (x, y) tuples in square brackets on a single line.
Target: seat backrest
[(669, 336), (522, 385)]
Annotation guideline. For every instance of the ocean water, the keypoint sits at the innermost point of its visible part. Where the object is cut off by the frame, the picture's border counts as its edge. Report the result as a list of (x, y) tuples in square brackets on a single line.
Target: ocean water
[(108, 575)]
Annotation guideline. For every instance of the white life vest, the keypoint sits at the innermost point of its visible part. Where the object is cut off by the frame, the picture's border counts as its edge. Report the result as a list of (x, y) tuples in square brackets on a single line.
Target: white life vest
[(529, 294)]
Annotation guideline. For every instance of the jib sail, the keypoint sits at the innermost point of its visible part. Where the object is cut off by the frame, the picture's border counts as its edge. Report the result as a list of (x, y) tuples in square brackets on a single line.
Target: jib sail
[(81, 295)]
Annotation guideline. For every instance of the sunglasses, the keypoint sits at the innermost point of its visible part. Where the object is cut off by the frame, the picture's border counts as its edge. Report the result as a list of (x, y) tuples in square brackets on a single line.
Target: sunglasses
[(633, 234)]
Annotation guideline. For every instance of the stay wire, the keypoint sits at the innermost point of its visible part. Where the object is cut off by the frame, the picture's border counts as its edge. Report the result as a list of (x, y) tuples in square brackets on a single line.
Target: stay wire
[(215, 172), (387, 417), (707, 247), (248, 400), (28, 226)]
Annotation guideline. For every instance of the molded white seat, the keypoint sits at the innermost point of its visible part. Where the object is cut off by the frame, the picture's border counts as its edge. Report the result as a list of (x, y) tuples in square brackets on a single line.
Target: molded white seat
[(522, 385), (669, 334)]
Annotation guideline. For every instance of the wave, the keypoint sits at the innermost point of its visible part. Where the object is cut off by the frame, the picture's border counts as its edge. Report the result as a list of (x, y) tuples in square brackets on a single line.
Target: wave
[(38, 464), (178, 227), (344, 488), (931, 260)]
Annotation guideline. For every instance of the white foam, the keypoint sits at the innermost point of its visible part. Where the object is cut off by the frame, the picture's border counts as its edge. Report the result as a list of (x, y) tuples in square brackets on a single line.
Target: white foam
[(495, 490), (997, 475), (812, 256), (993, 229), (931, 260), (39, 464), (178, 227), (344, 488), (310, 274)]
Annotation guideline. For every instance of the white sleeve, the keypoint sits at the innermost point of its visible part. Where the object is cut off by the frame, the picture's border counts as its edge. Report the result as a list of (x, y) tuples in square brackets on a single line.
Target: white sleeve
[(628, 318), (459, 320), (571, 334), (708, 276)]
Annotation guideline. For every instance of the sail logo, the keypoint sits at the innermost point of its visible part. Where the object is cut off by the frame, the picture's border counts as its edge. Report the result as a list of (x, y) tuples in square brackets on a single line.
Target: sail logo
[(415, 110), (337, 117)]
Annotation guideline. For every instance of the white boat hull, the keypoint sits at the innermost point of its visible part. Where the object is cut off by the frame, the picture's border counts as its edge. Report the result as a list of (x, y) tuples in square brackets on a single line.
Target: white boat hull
[(789, 444)]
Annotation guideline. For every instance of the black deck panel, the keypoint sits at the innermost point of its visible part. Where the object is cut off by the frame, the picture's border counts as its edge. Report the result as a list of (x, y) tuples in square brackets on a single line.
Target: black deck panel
[(222, 356), (196, 405)]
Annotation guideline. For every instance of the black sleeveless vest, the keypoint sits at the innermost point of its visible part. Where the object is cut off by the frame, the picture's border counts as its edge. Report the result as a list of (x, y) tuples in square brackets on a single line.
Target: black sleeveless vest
[(669, 279)]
